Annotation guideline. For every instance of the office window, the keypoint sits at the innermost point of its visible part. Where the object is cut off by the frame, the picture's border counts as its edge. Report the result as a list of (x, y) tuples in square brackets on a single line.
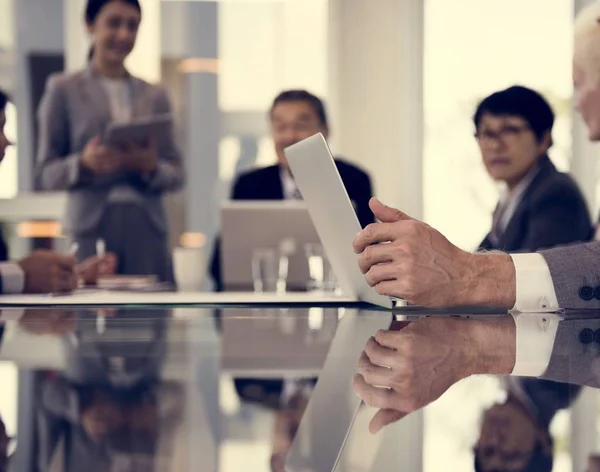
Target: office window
[(264, 48), (473, 48), (8, 169)]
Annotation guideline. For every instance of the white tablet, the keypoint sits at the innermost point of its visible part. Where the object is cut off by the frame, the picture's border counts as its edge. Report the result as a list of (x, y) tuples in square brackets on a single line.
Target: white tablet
[(138, 131), (332, 213)]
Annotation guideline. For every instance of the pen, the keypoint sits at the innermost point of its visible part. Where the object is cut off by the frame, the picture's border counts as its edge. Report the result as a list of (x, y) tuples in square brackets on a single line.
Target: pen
[(100, 318)]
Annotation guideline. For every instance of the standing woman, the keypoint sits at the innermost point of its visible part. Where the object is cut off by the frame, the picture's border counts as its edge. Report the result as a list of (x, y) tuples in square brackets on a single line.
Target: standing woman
[(113, 194)]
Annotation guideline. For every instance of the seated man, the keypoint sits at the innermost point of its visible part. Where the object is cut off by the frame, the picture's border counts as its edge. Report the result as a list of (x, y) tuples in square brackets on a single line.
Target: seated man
[(295, 115), (44, 271)]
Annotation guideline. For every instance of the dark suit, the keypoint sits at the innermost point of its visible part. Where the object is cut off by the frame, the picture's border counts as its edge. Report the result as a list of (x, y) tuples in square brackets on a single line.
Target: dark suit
[(265, 184), (3, 257), (552, 212)]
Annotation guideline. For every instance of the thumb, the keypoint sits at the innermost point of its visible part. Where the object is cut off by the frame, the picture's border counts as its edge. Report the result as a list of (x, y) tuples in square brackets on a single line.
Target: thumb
[(385, 213), (383, 418)]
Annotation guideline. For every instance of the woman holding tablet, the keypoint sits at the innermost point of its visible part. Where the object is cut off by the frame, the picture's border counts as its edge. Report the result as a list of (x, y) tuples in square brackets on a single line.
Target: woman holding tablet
[(115, 193)]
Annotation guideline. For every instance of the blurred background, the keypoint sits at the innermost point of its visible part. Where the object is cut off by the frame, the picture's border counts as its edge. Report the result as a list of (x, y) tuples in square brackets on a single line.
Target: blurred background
[(401, 79)]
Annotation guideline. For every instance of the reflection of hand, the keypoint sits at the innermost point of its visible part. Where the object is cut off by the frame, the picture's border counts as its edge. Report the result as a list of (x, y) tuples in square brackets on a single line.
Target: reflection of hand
[(143, 159), (49, 272), (95, 266), (509, 437), (42, 321), (408, 259), (100, 159), (407, 368)]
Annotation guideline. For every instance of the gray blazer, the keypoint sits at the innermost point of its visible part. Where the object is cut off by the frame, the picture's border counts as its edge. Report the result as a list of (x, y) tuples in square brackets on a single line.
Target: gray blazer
[(75, 109), (575, 274), (576, 353)]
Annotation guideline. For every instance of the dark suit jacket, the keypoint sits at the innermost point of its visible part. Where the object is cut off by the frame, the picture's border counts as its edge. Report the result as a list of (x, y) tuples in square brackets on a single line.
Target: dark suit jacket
[(3, 257), (265, 184), (551, 213)]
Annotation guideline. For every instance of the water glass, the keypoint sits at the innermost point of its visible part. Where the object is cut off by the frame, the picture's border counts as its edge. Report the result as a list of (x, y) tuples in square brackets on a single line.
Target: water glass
[(265, 270), (321, 273)]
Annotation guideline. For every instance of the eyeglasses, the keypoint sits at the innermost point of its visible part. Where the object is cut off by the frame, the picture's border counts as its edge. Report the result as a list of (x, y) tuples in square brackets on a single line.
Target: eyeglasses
[(503, 134)]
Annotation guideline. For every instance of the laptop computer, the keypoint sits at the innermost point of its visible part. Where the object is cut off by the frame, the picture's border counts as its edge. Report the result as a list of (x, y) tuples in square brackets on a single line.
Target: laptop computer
[(247, 225)]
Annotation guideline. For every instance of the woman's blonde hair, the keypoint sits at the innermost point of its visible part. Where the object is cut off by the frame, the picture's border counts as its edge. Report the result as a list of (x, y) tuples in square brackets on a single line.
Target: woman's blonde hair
[(586, 45)]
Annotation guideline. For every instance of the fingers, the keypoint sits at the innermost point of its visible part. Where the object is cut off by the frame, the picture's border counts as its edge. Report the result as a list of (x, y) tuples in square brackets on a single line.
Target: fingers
[(389, 339), (379, 355), (373, 396), (376, 233), (372, 255), (373, 374), (381, 273), (385, 213), (390, 288), (383, 418), (64, 261)]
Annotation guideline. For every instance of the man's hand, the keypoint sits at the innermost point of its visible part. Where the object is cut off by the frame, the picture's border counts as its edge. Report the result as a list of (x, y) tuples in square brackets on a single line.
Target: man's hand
[(93, 267), (100, 159), (408, 367), (405, 258), (143, 159), (49, 272)]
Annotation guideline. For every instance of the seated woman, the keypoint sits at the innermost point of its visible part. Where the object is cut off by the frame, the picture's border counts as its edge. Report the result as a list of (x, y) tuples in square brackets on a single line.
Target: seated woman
[(540, 207)]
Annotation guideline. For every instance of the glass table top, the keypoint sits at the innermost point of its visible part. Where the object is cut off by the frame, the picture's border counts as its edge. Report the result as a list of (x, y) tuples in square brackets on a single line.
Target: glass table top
[(211, 388)]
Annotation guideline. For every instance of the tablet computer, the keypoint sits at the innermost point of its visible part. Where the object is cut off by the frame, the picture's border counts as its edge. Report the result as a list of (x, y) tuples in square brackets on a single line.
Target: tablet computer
[(333, 215), (138, 131)]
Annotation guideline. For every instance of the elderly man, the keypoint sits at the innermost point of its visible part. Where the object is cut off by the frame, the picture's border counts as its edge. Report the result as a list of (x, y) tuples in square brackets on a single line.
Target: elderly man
[(423, 359)]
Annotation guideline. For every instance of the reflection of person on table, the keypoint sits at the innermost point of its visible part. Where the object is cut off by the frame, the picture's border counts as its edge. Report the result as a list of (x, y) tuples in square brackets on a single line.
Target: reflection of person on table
[(105, 428), (45, 271), (114, 194), (420, 265), (513, 440)]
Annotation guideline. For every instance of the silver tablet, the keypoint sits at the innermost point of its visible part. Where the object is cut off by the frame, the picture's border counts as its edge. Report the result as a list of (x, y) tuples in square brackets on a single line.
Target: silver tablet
[(332, 213)]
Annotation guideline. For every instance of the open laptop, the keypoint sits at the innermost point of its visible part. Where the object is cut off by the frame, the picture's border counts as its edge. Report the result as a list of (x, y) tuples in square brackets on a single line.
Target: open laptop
[(247, 225), (332, 214)]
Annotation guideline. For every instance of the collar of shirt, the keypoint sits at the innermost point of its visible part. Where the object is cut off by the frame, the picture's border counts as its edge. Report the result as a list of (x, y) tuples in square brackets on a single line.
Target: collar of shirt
[(290, 189), (510, 199)]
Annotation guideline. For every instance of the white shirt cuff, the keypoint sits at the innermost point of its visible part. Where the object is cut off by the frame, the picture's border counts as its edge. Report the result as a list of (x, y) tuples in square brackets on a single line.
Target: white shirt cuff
[(13, 278), (535, 290), (535, 340)]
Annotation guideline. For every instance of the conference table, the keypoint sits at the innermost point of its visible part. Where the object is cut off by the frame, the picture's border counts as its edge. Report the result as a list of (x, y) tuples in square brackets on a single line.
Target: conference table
[(124, 380)]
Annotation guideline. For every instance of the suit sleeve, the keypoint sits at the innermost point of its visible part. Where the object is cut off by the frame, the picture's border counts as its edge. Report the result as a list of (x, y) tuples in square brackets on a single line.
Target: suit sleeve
[(557, 218), (574, 358), (57, 167), (575, 272), (169, 175)]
